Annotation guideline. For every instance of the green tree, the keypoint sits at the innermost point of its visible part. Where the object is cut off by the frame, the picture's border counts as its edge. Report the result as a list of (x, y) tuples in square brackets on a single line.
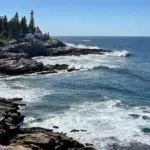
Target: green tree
[(14, 31), (5, 27), (1, 24), (16, 17), (5, 23), (23, 25)]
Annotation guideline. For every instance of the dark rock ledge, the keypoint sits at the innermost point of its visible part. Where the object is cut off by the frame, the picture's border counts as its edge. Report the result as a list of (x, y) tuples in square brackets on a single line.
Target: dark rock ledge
[(15, 66), (14, 137), (16, 58)]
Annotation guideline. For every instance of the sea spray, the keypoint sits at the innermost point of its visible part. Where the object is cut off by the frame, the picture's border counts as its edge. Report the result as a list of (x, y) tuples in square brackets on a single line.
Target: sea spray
[(106, 122), (86, 62)]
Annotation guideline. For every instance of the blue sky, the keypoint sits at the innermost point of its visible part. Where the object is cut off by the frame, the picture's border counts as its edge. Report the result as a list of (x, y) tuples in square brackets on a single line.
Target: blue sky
[(85, 17)]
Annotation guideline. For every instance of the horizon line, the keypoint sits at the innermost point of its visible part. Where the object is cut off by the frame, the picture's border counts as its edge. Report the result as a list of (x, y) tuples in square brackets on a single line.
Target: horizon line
[(97, 36)]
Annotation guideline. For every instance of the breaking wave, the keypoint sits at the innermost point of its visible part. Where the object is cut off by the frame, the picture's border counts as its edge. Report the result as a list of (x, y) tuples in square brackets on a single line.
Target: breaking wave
[(22, 89), (118, 53), (85, 62), (106, 122), (123, 53)]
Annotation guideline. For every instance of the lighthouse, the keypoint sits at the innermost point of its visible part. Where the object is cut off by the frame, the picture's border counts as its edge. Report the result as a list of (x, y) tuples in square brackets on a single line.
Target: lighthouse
[(32, 14), (31, 24)]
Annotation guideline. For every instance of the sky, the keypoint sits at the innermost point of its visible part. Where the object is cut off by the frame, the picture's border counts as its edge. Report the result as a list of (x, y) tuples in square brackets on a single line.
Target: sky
[(85, 17)]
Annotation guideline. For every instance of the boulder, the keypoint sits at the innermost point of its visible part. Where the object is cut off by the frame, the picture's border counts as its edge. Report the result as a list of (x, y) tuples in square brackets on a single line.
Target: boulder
[(32, 48), (53, 43), (19, 66), (10, 118), (74, 130), (71, 69), (146, 130), (146, 117), (61, 67), (135, 116), (55, 127)]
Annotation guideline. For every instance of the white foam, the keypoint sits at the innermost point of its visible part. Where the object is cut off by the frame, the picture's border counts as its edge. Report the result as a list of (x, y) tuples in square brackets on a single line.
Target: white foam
[(22, 89), (106, 122), (123, 53), (84, 62)]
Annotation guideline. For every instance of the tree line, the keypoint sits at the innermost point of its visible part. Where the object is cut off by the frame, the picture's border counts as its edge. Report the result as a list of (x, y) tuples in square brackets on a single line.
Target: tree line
[(13, 28)]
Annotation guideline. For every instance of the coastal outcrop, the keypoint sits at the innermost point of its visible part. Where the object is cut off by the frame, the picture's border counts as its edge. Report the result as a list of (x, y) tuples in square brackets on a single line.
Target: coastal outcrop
[(67, 51), (16, 56), (18, 66), (13, 136), (52, 47)]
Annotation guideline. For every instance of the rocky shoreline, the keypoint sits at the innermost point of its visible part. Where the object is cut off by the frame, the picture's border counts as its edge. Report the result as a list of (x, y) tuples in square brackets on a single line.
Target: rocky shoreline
[(14, 137), (16, 59), (16, 56)]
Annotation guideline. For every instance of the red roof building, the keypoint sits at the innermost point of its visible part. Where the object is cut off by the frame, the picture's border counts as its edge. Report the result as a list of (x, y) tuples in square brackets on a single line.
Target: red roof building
[(38, 31)]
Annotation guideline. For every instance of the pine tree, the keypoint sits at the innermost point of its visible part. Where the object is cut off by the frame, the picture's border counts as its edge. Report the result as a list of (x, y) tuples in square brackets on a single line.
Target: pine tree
[(15, 26), (1, 22), (5, 23), (23, 25), (17, 18), (5, 27), (11, 34), (14, 31)]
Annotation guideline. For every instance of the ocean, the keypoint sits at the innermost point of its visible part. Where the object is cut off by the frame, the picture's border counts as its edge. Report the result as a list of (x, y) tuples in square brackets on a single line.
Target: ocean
[(99, 98)]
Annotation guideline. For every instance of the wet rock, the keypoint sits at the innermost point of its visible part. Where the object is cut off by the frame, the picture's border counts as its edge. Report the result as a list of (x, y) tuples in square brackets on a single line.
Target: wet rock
[(74, 130), (87, 144), (55, 127), (146, 117), (67, 51), (146, 130), (21, 66), (61, 67), (135, 116), (83, 130), (10, 118), (27, 66), (71, 69)]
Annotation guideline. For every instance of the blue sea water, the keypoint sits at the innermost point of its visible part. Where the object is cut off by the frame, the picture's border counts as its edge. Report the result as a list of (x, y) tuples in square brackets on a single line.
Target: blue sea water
[(99, 98)]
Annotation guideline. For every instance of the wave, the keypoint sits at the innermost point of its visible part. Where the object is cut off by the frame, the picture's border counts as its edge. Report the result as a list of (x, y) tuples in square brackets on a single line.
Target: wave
[(123, 53), (118, 53), (106, 122), (20, 88), (84, 62)]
